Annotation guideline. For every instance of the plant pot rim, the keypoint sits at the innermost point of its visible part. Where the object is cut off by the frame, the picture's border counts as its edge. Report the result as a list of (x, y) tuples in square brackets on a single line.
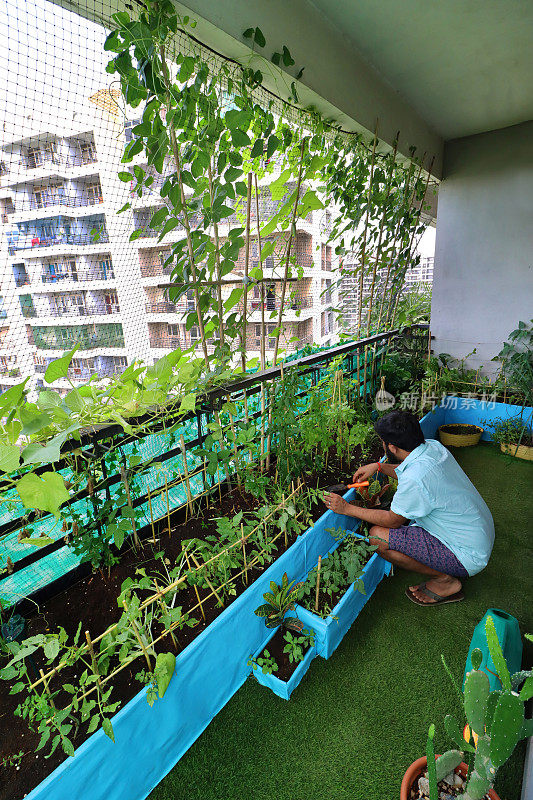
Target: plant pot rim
[(418, 766), (459, 425)]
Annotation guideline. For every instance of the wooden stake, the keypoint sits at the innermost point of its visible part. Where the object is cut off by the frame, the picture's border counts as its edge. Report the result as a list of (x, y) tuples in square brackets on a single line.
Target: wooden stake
[(186, 473), (318, 581), (46, 688), (263, 329), (365, 233), (123, 475), (94, 662), (244, 555), (195, 586), (151, 515), (168, 505), (208, 581), (285, 531)]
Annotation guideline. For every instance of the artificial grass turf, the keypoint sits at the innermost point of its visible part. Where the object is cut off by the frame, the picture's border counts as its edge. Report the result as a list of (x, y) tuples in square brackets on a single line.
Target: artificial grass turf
[(357, 721)]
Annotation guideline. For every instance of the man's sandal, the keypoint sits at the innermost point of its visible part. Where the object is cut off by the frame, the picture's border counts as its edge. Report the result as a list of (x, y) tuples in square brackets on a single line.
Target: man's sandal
[(452, 598)]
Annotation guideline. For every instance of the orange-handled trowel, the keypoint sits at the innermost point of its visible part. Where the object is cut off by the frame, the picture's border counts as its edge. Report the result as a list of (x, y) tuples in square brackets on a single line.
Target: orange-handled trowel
[(340, 488)]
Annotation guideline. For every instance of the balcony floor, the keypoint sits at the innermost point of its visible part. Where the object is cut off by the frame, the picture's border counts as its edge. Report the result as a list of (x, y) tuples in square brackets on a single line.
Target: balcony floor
[(358, 720)]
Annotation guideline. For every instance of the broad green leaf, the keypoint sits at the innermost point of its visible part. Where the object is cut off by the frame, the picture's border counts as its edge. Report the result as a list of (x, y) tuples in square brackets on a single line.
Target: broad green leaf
[(278, 187), (59, 368), (9, 457), (75, 401), (233, 299), (51, 648), (164, 670), (188, 403), (34, 423), (48, 400), (46, 492), (12, 397), (239, 138), (36, 453)]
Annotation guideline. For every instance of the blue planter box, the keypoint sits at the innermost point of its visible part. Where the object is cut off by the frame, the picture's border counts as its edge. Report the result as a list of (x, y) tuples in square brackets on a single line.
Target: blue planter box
[(150, 741), (283, 689), (472, 412), (330, 630)]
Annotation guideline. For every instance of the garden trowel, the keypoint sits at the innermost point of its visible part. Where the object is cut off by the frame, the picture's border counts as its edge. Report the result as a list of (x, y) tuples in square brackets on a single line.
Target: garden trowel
[(340, 488)]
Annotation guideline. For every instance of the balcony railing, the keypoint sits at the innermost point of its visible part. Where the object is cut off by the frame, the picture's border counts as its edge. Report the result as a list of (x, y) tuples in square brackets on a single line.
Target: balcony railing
[(77, 240), (153, 270), (22, 280), (28, 312), (51, 200), (82, 311), (85, 342), (46, 159), (163, 308), (170, 342), (78, 277)]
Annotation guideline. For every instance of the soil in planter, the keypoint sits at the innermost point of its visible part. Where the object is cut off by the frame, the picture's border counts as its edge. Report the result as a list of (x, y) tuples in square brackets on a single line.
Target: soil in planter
[(420, 790), (459, 430), (275, 648), (93, 601)]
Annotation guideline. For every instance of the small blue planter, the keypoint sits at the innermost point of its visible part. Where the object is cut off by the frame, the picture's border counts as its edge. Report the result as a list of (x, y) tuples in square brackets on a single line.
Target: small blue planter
[(283, 689), (330, 631)]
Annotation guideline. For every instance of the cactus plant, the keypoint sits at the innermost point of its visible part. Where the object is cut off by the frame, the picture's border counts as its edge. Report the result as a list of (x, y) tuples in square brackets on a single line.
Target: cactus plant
[(496, 717)]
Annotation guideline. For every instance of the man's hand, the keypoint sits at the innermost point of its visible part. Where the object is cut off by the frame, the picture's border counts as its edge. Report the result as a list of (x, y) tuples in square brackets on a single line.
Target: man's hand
[(336, 503), (365, 473)]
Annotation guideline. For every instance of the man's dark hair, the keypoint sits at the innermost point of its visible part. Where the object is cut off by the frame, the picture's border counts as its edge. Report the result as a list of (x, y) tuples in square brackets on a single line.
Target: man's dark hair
[(400, 428)]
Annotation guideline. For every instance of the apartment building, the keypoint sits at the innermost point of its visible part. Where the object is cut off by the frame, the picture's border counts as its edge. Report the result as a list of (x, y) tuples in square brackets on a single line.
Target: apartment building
[(70, 275), (348, 292)]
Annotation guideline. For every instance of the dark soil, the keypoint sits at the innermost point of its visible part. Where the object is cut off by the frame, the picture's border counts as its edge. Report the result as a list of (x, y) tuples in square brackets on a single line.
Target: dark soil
[(459, 429), (93, 601), (275, 648)]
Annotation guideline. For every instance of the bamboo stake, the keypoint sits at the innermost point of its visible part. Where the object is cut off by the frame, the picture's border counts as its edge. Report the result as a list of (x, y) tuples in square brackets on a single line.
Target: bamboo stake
[(195, 586), (46, 688), (94, 662), (138, 637), (179, 581), (245, 299), (164, 608), (151, 515), (397, 230), (244, 555), (263, 329), (380, 236), (318, 581), (185, 217), (363, 249), (168, 506), (288, 251), (411, 241), (186, 473), (172, 627), (136, 540), (208, 581), (217, 262)]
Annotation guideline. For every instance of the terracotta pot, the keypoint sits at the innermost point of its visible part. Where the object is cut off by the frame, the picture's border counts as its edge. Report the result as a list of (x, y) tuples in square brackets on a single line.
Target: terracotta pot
[(419, 766)]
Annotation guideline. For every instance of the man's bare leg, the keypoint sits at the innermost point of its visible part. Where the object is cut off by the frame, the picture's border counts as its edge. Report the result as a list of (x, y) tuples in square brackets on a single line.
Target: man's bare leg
[(440, 583)]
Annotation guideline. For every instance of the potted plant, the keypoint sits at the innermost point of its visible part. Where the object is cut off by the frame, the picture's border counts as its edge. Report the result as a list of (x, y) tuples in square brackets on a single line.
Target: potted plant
[(460, 434), (290, 648), (512, 437), (496, 719)]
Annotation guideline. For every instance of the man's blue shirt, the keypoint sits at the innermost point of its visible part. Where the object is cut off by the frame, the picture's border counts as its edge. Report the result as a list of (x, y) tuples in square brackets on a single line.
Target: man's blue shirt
[(434, 493)]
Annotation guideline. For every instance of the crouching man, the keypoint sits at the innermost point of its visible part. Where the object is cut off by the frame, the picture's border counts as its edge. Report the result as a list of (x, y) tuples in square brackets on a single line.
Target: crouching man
[(438, 525)]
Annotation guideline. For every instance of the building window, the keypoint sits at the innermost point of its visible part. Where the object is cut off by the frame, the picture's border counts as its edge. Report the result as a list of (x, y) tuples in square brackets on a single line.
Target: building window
[(94, 193)]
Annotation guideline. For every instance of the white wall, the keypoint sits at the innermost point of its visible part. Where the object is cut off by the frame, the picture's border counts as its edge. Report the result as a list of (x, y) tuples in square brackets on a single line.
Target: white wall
[(483, 279)]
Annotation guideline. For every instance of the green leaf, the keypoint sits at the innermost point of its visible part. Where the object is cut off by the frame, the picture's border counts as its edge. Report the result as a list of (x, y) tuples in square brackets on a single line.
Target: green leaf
[(165, 665), (36, 453), (272, 146), (125, 177), (9, 457), (239, 138), (59, 368), (188, 403), (39, 541), (46, 492), (51, 648), (278, 188), (108, 728), (257, 149), (526, 693)]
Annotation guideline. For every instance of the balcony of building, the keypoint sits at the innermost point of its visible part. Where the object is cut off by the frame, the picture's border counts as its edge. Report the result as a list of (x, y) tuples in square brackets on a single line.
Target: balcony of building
[(88, 337)]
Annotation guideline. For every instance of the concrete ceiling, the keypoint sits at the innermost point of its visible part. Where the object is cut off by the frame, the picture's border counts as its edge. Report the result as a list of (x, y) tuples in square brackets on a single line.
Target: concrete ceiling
[(466, 66)]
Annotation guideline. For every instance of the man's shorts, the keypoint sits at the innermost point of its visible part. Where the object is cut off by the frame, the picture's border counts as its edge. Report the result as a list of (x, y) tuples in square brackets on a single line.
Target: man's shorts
[(422, 546)]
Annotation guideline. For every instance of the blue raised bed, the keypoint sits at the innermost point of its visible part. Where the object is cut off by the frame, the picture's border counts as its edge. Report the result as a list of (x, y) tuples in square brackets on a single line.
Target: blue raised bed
[(330, 630), (150, 741), (284, 689), (471, 412)]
